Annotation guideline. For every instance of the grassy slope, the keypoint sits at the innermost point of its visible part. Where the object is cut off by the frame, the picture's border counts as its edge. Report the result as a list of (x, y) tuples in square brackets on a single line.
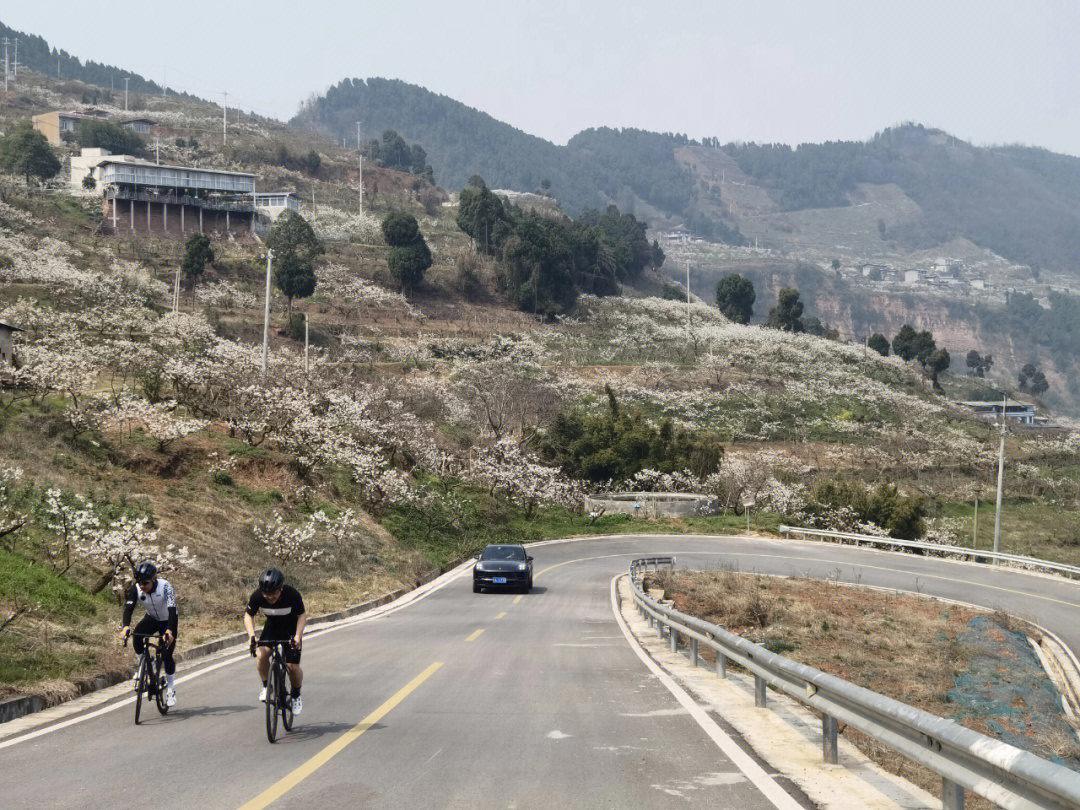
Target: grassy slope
[(906, 647), (188, 502)]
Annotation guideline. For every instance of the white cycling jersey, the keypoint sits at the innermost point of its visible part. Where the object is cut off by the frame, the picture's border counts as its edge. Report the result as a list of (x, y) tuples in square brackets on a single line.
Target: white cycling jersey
[(157, 602)]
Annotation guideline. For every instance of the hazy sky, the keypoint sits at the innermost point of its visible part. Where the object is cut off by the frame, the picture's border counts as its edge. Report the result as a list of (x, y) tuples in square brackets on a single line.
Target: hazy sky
[(988, 71)]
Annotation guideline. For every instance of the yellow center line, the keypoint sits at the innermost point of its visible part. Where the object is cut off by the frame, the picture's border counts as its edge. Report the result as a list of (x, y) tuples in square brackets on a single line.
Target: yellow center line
[(475, 635), (501, 615), (518, 598), (283, 786)]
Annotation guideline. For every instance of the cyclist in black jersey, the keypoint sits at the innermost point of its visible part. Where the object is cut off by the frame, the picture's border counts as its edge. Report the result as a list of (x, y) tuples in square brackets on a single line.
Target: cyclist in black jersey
[(286, 617), (156, 595)]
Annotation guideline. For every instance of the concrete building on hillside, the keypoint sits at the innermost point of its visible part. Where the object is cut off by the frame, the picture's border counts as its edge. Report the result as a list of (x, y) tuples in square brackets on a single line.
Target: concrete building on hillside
[(272, 204), (140, 126), (7, 344), (138, 195), (1017, 411), (55, 125)]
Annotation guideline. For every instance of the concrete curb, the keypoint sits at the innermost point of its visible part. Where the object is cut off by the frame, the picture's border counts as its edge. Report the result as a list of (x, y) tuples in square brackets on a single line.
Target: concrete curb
[(31, 704)]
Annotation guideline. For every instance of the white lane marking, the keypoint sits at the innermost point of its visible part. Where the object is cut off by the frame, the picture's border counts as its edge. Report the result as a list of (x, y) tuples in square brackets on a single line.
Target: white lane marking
[(754, 772), (410, 598), (556, 735)]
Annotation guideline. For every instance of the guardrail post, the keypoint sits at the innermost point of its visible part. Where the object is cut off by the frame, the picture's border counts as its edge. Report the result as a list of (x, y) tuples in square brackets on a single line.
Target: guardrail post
[(952, 795), (829, 742), (721, 665), (693, 652), (673, 637), (759, 692)]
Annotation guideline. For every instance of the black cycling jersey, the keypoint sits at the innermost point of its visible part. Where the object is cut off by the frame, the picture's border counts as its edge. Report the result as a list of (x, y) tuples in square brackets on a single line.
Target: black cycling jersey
[(282, 615)]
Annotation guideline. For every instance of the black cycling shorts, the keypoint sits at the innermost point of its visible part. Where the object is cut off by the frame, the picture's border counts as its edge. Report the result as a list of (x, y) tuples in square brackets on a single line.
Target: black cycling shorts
[(292, 655)]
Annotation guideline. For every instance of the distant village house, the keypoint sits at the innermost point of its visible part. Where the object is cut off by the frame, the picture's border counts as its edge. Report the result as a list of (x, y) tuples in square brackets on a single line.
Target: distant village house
[(7, 348)]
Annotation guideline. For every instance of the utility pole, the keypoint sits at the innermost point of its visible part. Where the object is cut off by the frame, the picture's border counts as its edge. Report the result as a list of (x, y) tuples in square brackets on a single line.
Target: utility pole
[(125, 93), (688, 295), (176, 292), (6, 66), (16, 58), (1001, 475), (314, 210), (266, 312), (225, 120), (58, 67), (361, 178), (305, 345), (975, 527), (157, 151)]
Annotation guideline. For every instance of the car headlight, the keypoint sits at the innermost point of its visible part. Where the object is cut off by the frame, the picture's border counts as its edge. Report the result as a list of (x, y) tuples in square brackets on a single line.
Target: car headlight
[(479, 566), (523, 566)]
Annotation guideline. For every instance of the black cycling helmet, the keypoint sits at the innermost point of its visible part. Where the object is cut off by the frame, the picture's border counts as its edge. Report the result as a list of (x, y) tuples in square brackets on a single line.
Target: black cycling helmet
[(271, 579), (145, 571)]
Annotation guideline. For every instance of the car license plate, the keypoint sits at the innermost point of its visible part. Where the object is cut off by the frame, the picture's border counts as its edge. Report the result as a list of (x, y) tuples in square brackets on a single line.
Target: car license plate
[(499, 580)]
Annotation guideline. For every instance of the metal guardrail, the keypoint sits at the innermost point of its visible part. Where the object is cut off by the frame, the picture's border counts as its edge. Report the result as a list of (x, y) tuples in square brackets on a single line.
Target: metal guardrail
[(959, 551), (964, 759)]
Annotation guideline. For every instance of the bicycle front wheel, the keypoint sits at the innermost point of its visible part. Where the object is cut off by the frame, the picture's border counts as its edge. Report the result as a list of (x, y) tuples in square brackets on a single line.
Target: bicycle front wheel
[(159, 690), (286, 704), (141, 685), (272, 697)]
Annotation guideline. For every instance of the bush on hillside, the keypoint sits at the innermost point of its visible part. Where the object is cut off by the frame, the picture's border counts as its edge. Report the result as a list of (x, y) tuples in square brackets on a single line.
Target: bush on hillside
[(617, 443)]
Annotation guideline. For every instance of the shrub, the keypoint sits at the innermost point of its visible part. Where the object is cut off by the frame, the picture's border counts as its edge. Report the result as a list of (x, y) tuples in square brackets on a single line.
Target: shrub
[(618, 443)]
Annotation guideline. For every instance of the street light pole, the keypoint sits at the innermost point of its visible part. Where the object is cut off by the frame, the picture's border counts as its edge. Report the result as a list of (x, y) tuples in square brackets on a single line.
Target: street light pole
[(1001, 475), (266, 312), (360, 178)]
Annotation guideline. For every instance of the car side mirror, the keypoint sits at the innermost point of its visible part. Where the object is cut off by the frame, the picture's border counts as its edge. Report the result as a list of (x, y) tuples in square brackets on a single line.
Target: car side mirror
[(529, 559)]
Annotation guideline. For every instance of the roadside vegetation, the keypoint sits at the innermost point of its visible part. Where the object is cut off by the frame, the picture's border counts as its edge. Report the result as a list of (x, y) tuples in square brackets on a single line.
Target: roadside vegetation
[(473, 372), (970, 666)]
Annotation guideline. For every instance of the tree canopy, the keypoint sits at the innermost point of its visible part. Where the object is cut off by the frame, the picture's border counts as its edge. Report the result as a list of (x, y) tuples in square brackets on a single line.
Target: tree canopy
[(25, 152), (409, 254), (197, 254), (296, 249), (118, 139), (735, 297), (787, 314), (879, 343)]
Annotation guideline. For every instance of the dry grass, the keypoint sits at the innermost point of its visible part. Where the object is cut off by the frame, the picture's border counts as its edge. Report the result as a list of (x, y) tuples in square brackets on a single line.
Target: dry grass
[(902, 646)]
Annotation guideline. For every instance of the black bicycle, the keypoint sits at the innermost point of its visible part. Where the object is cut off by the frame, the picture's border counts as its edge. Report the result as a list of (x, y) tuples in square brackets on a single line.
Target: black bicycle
[(150, 676), (277, 689)]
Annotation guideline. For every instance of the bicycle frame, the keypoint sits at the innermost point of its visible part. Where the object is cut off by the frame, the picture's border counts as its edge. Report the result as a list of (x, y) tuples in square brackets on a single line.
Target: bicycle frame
[(277, 693), (149, 678)]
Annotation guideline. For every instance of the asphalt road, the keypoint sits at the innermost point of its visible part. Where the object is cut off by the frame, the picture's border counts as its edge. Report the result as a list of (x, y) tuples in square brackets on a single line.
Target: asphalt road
[(465, 700)]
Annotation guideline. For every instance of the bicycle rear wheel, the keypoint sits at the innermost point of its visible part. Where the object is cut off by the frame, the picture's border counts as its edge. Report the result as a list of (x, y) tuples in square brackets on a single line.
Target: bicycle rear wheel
[(141, 684), (272, 697)]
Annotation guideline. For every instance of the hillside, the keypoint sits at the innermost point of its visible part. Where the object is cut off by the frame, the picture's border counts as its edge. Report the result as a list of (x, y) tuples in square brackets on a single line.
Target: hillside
[(1017, 202), (424, 424), (36, 54)]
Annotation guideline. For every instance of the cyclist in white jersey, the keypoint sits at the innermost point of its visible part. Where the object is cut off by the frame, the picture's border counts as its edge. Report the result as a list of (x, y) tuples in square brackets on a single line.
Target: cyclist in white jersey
[(157, 597)]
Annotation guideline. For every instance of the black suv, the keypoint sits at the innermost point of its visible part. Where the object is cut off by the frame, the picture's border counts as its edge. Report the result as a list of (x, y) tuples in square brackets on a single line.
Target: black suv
[(503, 566)]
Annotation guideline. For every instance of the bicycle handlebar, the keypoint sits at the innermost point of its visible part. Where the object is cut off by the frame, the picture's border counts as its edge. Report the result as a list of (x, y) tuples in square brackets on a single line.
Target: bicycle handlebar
[(155, 636)]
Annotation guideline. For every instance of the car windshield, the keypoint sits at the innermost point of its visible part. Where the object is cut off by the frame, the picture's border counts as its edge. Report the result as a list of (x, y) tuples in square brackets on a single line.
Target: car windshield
[(503, 553)]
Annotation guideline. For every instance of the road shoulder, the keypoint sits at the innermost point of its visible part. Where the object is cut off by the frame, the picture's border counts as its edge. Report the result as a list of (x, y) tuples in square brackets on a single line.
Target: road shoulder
[(786, 735)]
